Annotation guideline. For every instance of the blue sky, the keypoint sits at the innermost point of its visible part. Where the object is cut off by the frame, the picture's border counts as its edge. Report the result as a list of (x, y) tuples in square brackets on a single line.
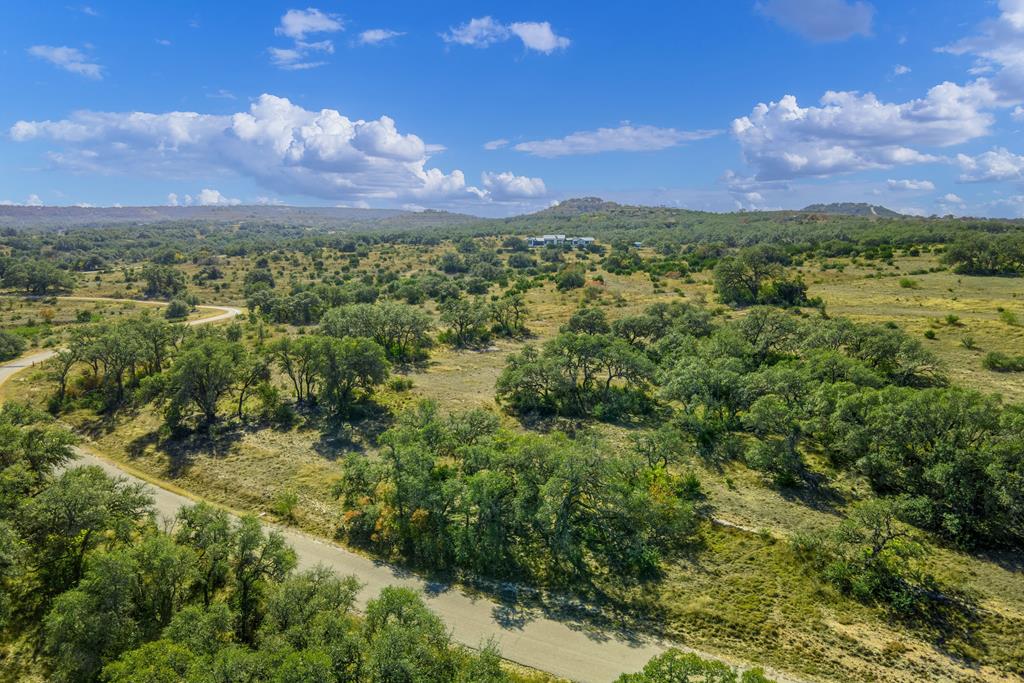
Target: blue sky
[(496, 109)]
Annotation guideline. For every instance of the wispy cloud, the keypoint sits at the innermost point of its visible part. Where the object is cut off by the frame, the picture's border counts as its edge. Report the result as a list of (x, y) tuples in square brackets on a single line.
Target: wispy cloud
[(221, 94), (910, 185), (68, 58), (298, 23), (376, 36), (624, 138), (820, 20)]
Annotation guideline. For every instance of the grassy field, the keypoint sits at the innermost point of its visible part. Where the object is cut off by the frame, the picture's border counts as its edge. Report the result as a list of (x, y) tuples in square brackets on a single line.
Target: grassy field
[(741, 593), (988, 313), (42, 322)]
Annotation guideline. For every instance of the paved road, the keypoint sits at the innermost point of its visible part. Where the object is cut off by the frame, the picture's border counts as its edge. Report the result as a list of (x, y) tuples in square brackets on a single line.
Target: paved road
[(18, 364), (540, 642), (530, 639)]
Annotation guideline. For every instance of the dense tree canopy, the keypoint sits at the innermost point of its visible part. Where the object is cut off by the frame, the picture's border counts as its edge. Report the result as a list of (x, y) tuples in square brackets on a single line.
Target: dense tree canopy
[(101, 593), (458, 491)]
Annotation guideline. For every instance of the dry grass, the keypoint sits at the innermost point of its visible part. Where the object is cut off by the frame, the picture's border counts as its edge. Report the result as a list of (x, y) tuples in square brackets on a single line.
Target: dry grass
[(43, 322), (976, 301)]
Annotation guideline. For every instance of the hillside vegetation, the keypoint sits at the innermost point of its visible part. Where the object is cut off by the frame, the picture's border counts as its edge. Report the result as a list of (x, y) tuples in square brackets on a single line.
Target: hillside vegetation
[(790, 439)]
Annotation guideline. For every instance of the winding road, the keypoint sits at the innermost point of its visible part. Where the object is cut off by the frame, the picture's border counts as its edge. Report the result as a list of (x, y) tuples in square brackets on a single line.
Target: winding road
[(524, 636)]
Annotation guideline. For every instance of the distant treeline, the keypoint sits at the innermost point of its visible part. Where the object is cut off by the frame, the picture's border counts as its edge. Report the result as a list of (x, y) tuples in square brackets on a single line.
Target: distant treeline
[(88, 248)]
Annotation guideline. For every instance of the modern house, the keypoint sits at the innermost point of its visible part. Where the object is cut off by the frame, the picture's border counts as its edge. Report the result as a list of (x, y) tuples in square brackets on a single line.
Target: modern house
[(556, 240)]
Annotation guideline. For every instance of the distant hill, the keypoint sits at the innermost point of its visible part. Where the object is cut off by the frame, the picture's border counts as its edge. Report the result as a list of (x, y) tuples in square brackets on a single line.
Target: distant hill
[(578, 207), (852, 209), (64, 217)]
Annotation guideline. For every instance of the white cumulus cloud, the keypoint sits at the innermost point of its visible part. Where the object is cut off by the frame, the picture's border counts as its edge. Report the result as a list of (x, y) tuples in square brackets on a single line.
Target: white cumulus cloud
[(624, 138), (820, 20), (31, 200), (996, 164), (208, 197), (507, 185), (851, 131), (538, 35), (68, 58), (285, 148), (486, 31)]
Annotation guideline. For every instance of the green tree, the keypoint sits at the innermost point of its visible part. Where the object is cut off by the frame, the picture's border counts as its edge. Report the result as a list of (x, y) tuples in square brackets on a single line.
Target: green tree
[(205, 371), (509, 315), (94, 623), (208, 531), (588, 320), (37, 277), (406, 641), (11, 345), (298, 358), (872, 556), (178, 309), (257, 560), (162, 281), (403, 331), (160, 661), (675, 666), (347, 366), (577, 374), (81, 510), (466, 320), (569, 278)]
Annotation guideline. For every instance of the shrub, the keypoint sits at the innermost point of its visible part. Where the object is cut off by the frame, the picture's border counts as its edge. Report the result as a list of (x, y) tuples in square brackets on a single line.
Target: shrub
[(177, 309), (1002, 362), (284, 505), (569, 278), (11, 345), (676, 666), (398, 383)]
